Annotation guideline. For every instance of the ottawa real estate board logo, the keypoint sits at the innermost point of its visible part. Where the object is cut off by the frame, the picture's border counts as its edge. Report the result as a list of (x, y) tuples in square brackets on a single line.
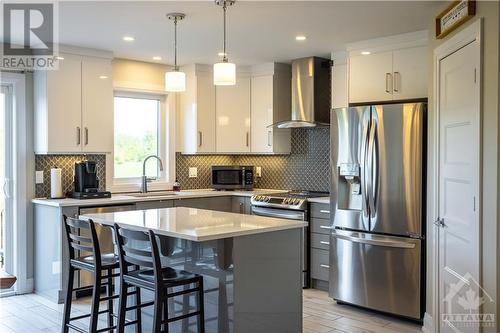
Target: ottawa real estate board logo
[(29, 35)]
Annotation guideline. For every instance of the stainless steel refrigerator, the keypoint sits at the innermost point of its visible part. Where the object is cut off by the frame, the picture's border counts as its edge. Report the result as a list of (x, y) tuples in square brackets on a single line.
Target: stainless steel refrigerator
[(377, 199)]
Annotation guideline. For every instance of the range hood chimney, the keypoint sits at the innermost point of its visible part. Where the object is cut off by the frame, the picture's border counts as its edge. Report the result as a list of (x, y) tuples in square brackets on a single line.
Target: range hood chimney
[(311, 93)]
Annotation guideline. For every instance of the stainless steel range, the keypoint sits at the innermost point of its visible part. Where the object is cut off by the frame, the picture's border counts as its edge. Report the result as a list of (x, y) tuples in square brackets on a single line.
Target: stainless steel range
[(291, 205)]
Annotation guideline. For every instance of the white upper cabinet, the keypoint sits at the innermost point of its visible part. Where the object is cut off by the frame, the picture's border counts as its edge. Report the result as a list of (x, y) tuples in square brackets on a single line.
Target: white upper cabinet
[(197, 111), (233, 116), (410, 73), (270, 103), (370, 78), (74, 106)]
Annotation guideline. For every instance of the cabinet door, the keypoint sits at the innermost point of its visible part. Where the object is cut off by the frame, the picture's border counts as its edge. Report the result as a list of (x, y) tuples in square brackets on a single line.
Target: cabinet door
[(233, 117), (205, 114), (410, 73), (262, 114), (370, 78), (241, 205), (97, 105), (64, 115)]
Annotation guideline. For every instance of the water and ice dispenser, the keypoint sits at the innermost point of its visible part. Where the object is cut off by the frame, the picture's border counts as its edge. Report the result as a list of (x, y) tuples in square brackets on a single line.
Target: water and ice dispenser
[(349, 187)]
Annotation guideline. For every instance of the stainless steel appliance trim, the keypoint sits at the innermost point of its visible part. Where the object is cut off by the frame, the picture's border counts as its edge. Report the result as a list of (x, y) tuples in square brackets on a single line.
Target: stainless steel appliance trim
[(370, 239), (279, 213)]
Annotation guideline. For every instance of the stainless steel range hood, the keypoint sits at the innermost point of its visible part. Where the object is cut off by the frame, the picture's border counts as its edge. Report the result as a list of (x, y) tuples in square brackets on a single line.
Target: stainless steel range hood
[(311, 93)]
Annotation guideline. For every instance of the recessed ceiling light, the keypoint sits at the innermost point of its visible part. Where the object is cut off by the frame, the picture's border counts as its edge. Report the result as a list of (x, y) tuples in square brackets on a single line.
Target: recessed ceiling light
[(365, 52), (157, 58), (103, 77), (128, 38), (300, 38)]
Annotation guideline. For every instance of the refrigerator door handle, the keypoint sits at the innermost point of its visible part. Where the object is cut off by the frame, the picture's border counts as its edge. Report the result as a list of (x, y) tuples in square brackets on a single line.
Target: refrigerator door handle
[(373, 168), (353, 237), (365, 188)]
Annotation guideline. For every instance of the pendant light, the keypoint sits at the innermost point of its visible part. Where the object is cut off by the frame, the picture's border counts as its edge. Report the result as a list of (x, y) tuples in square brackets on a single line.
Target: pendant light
[(175, 81), (224, 71)]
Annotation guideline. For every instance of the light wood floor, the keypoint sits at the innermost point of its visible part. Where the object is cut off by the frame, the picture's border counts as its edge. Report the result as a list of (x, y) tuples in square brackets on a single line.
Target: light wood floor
[(32, 313)]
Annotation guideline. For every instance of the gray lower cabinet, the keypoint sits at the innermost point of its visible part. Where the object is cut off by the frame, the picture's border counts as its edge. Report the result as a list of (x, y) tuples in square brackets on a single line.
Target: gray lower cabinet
[(241, 205), (320, 244), (141, 205), (223, 204)]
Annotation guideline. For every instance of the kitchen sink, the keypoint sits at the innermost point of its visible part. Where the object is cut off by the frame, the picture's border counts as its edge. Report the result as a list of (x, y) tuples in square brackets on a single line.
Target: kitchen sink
[(152, 194)]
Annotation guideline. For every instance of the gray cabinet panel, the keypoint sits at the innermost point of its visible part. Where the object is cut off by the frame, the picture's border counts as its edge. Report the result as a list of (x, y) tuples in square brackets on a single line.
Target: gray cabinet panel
[(223, 204), (320, 264), (320, 241), (321, 211), (321, 226), (154, 204), (241, 205)]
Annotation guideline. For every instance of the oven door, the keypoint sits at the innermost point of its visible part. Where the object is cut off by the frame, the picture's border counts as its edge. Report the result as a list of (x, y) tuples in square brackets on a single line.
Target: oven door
[(304, 246), (228, 178)]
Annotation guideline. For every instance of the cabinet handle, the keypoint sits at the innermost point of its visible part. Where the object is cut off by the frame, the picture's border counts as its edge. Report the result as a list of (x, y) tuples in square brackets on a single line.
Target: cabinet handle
[(200, 138), (397, 81), (324, 243), (78, 135), (324, 211), (325, 227), (269, 133), (388, 81), (324, 266), (86, 136), (248, 139), (241, 208)]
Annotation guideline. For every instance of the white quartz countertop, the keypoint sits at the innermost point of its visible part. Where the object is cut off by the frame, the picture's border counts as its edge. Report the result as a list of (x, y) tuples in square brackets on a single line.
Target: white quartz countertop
[(124, 198), (321, 200), (195, 224)]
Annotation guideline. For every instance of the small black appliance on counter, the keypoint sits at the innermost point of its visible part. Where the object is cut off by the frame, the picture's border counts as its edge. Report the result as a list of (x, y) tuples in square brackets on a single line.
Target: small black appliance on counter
[(86, 182)]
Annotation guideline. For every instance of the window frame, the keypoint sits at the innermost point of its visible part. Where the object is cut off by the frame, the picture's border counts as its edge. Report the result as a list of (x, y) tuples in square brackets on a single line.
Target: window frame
[(166, 147)]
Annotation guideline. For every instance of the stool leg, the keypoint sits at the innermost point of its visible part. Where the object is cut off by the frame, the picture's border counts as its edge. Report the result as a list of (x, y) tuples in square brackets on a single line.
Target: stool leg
[(96, 291), (109, 293), (68, 300), (138, 314), (165, 315), (157, 313), (122, 305), (201, 307)]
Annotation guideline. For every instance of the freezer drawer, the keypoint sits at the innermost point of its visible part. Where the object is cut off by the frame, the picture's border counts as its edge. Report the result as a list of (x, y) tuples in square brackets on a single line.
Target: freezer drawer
[(377, 272)]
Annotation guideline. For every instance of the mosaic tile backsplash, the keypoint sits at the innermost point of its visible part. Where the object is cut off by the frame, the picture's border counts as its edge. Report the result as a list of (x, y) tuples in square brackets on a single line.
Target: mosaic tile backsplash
[(306, 168), (67, 164)]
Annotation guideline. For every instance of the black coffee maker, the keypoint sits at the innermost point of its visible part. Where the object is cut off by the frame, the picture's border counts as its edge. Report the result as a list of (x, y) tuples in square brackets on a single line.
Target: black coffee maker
[(87, 182)]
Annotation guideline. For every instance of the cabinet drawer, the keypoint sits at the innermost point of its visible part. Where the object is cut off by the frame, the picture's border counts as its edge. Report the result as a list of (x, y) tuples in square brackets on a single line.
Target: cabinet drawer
[(320, 241), (320, 262), (321, 226), (321, 211)]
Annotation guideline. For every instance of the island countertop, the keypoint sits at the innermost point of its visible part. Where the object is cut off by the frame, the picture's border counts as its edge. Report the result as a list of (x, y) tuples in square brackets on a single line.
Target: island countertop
[(195, 224)]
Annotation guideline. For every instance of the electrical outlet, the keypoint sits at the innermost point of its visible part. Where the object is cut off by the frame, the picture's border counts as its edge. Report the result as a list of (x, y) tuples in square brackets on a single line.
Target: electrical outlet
[(193, 172), (258, 171), (38, 177)]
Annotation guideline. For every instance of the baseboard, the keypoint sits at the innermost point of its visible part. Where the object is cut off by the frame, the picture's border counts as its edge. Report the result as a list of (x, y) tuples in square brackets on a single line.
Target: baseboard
[(428, 326)]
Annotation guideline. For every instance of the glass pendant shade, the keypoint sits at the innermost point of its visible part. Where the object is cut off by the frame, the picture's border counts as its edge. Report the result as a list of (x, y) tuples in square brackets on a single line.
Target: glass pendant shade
[(224, 74), (175, 81)]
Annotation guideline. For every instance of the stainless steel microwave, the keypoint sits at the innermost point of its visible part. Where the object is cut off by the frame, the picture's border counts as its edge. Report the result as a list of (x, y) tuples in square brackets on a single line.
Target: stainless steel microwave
[(232, 177)]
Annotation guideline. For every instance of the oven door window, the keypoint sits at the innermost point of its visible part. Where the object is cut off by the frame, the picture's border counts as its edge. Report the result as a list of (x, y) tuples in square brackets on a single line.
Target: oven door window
[(227, 177)]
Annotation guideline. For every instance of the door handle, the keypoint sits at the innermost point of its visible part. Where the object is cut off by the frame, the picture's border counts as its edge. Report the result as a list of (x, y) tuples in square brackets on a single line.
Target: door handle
[(376, 242), (388, 82), (324, 266), (326, 227), (324, 211), (324, 243), (200, 138), (440, 223), (78, 135), (397, 81), (373, 168), (86, 135)]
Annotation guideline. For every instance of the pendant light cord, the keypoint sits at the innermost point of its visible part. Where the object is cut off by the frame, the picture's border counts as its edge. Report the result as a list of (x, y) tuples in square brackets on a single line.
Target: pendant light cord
[(224, 8), (175, 45)]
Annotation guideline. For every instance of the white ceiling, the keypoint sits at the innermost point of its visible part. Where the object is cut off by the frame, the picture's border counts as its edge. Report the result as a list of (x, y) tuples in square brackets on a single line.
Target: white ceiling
[(257, 31)]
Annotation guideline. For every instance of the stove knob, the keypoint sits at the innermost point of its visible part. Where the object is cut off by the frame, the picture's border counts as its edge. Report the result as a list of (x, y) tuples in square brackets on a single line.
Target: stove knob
[(266, 199)]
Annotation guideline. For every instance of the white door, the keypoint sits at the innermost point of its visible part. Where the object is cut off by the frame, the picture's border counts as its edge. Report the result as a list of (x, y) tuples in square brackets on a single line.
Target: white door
[(370, 78), (410, 73), (459, 155), (262, 114), (64, 93), (97, 105), (232, 104)]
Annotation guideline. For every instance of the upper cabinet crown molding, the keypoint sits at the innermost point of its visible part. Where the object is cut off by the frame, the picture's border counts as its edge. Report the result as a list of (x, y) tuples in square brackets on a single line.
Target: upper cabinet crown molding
[(83, 51), (389, 43)]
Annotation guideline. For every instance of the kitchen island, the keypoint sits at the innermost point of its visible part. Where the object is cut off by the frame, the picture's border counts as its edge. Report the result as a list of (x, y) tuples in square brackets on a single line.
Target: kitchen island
[(251, 265)]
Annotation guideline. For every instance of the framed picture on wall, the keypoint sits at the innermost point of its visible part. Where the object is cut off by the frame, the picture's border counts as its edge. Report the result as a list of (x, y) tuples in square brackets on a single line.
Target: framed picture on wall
[(455, 15)]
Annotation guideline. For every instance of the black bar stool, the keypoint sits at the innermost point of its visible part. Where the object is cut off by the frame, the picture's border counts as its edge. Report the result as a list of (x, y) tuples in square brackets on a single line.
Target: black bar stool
[(81, 236), (140, 266)]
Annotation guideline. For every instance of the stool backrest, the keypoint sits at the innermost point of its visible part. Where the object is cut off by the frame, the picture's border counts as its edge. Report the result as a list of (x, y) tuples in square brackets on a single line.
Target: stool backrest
[(137, 249), (82, 236)]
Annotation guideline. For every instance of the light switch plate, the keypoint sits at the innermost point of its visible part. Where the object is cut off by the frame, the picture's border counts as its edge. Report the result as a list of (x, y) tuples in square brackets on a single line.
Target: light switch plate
[(38, 177), (193, 172), (258, 171)]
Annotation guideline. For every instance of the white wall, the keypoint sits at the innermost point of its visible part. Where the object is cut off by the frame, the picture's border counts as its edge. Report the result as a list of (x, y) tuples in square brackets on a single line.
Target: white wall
[(490, 12)]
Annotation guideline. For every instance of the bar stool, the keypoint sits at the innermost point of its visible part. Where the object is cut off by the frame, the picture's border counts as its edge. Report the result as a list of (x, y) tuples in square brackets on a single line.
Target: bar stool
[(82, 237), (140, 266)]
